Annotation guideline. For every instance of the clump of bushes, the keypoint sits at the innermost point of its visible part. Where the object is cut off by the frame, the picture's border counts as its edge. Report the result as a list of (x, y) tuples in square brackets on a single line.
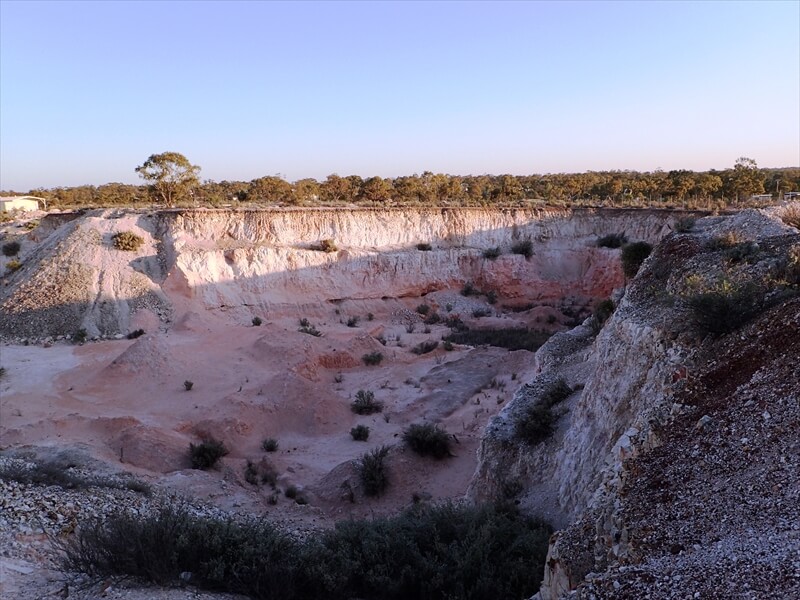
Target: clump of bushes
[(685, 225), (512, 338), (724, 241), (427, 439), (327, 245), (207, 453), (425, 347), (423, 309), (256, 321), (13, 265), (365, 403), (373, 472), (538, 422), (307, 327), (372, 359), (491, 253), (523, 247), (127, 241), (602, 312), (80, 336), (11, 248), (360, 433), (725, 307), (135, 334), (353, 321), (633, 255), (432, 319), (429, 551), (612, 240), (188, 385), (424, 247), (469, 289), (269, 445)]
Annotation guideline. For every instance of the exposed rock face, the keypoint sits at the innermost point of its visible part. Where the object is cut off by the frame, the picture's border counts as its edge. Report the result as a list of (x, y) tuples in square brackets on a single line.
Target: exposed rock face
[(657, 419), (237, 260)]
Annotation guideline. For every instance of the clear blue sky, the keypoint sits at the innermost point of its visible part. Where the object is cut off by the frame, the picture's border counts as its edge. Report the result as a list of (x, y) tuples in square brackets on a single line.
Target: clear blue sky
[(88, 90)]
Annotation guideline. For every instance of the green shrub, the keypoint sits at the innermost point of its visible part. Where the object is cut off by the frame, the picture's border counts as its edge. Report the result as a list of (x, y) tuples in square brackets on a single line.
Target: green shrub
[(432, 319), (269, 445), (427, 439), (372, 358), (424, 247), (11, 249), (206, 454), (360, 433), (513, 338), (523, 247), (373, 471), (365, 403), (425, 347), (447, 345), (423, 309), (127, 241), (725, 308), (307, 327), (188, 385), (633, 255), (491, 253), (353, 321), (13, 265), (612, 240), (80, 336), (602, 311), (135, 334), (487, 552), (538, 422), (469, 289), (685, 225), (257, 321)]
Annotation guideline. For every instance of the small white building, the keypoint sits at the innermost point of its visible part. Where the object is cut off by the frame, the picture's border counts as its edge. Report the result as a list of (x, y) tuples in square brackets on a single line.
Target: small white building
[(9, 203)]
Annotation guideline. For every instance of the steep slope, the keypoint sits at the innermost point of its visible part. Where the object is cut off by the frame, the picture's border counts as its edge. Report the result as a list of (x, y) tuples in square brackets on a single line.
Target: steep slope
[(671, 419)]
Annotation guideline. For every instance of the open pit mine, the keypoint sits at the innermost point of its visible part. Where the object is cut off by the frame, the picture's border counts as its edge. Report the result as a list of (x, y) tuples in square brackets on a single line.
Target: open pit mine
[(665, 457)]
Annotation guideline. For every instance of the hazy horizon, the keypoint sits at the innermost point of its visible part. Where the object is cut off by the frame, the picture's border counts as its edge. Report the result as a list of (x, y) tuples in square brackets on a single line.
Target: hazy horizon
[(246, 89)]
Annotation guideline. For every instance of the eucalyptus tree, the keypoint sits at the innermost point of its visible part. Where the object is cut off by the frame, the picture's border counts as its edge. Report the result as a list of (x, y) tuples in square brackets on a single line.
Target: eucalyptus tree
[(172, 177)]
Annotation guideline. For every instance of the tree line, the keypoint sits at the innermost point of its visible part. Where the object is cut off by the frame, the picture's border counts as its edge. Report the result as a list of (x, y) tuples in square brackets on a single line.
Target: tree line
[(173, 181)]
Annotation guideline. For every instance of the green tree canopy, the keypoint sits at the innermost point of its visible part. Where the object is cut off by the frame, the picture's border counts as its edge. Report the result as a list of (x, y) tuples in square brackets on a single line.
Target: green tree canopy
[(172, 177)]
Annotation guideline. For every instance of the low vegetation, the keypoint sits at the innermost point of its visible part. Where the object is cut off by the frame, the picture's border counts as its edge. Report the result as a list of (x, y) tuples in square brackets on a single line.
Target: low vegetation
[(612, 240), (256, 321), (423, 309), (424, 247), (63, 474), (442, 551), (427, 439), (207, 453), (791, 216), (11, 248), (127, 241), (13, 265), (685, 225), (269, 445), (372, 359), (523, 247), (373, 471), (602, 312), (538, 421), (360, 433), (491, 253), (725, 307), (365, 403), (513, 338), (135, 334), (633, 255), (188, 385), (308, 328), (80, 336)]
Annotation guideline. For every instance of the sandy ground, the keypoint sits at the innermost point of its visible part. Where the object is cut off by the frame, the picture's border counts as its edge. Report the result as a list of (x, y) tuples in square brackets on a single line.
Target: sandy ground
[(124, 402)]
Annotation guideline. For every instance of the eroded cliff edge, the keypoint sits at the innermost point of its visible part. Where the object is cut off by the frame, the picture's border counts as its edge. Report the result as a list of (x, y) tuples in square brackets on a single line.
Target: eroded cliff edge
[(673, 467), (262, 260)]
